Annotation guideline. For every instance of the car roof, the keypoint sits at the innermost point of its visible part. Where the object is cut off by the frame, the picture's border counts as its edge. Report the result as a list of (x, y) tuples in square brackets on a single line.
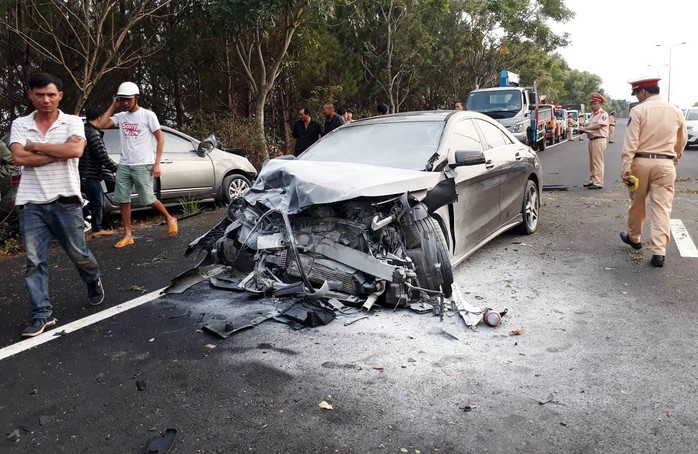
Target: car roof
[(421, 116)]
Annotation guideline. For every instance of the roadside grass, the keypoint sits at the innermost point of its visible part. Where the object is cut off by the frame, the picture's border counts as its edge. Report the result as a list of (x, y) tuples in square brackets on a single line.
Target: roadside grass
[(189, 206)]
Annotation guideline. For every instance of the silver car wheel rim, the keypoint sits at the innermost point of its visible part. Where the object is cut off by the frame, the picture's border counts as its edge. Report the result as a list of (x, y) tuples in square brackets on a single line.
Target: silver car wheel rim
[(236, 188), (532, 208)]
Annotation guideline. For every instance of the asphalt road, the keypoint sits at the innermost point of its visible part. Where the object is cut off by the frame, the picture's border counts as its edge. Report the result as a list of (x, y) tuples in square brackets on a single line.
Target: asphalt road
[(606, 362)]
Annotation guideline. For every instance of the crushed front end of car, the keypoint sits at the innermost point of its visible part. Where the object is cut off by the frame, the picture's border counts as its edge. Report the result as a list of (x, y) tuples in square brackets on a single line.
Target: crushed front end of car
[(289, 240)]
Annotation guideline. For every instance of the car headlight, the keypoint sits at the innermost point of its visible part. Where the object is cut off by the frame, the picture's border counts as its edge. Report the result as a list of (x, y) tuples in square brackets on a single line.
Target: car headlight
[(518, 127)]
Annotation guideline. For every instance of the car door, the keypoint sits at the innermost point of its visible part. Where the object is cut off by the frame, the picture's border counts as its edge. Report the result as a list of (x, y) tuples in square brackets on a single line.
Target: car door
[(510, 156), (183, 172), (476, 212)]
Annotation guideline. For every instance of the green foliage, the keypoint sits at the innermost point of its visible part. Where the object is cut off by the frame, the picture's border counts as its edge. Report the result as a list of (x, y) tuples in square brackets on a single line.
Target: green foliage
[(232, 130), (242, 68)]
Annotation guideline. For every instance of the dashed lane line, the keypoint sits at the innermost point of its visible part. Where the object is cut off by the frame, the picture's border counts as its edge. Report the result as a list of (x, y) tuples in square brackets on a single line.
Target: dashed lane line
[(78, 324), (687, 247)]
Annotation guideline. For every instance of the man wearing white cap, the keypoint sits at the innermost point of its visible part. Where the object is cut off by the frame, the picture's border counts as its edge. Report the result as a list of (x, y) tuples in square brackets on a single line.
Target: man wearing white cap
[(654, 140), (140, 137)]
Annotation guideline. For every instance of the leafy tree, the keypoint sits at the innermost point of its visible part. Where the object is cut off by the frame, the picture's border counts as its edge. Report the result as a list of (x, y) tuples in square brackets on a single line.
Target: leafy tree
[(87, 39), (260, 34)]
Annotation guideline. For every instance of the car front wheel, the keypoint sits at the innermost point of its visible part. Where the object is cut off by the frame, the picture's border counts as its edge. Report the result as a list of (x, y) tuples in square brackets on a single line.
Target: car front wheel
[(233, 187)]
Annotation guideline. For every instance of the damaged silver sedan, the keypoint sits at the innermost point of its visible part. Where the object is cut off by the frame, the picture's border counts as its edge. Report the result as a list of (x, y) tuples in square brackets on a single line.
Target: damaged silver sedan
[(380, 210)]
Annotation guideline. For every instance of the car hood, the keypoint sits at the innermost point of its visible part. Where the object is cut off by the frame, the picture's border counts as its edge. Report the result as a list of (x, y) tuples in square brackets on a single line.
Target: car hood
[(291, 186)]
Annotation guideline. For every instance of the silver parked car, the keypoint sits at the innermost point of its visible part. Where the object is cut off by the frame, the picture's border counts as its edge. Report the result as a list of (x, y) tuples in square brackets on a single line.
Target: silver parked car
[(381, 208), (191, 170)]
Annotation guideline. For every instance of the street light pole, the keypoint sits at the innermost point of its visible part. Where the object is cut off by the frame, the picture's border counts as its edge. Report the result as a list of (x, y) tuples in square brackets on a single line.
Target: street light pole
[(670, 46), (656, 68)]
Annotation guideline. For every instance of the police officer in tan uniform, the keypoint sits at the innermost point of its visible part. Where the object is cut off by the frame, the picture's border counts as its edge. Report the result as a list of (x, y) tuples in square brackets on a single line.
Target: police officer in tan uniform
[(654, 140), (570, 126), (597, 131), (611, 126)]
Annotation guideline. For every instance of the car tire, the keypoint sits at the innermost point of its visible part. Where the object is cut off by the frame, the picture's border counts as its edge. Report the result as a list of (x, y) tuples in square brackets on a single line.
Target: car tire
[(530, 209), (233, 186), (431, 227)]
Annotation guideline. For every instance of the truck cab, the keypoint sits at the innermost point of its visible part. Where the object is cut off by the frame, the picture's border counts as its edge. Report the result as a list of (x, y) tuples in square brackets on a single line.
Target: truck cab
[(509, 104), (561, 118)]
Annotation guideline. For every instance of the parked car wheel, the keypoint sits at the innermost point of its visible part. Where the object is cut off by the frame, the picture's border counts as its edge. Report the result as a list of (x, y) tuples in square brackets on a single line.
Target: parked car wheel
[(233, 187), (530, 210)]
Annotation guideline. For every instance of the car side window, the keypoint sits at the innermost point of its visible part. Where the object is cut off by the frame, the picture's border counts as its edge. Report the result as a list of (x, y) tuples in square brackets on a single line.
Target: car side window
[(494, 137), (465, 137), (176, 144), (112, 141)]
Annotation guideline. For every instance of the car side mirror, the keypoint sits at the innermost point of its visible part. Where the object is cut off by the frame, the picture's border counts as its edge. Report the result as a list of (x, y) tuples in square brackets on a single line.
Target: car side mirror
[(468, 158), (204, 148)]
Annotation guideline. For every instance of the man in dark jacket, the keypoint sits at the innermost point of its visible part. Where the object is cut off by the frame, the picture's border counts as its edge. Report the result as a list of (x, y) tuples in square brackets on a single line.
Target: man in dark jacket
[(93, 161), (332, 120)]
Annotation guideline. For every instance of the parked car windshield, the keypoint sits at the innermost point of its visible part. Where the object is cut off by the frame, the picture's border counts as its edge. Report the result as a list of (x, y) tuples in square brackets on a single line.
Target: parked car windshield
[(692, 115), (403, 145)]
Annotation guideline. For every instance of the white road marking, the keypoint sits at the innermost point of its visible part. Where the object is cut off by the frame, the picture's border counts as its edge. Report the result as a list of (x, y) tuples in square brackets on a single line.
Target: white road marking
[(683, 240), (77, 324)]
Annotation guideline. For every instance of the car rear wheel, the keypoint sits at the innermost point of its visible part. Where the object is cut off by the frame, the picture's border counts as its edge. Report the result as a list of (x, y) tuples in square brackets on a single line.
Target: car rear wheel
[(530, 209), (233, 187)]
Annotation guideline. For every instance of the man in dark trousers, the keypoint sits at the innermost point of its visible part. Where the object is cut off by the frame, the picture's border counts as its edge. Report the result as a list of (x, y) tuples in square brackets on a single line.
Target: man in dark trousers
[(332, 120), (306, 131), (92, 161), (49, 143)]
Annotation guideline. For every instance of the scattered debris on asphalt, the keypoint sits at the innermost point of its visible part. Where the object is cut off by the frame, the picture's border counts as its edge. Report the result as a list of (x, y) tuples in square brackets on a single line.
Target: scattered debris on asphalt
[(517, 331), (14, 435), (325, 406), (354, 320), (162, 444), (210, 346), (469, 408), (555, 187), (378, 368), (141, 385), (45, 419)]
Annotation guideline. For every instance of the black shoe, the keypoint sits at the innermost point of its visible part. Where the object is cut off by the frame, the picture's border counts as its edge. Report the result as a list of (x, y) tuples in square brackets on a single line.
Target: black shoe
[(588, 184), (593, 186), (626, 239), (657, 261), (95, 292), (38, 325)]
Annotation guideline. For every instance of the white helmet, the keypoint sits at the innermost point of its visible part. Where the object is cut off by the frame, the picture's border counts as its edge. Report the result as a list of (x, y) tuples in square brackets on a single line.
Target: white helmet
[(127, 90)]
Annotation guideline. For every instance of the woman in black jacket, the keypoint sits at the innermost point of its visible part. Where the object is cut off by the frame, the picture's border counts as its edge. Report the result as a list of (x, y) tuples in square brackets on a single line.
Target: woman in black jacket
[(93, 160)]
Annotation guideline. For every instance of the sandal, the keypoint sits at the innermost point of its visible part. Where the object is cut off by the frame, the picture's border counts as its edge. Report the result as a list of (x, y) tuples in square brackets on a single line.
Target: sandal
[(124, 242), (172, 228)]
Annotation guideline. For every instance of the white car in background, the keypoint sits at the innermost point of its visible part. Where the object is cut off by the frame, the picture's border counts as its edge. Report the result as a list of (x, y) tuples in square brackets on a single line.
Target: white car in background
[(692, 126)]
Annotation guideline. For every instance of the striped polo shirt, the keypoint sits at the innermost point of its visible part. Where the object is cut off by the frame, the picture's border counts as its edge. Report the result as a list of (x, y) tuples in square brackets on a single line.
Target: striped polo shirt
[(45, 184)]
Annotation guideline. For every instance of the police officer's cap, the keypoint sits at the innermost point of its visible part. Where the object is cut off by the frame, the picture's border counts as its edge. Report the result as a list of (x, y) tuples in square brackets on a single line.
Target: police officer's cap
[(643, 82)]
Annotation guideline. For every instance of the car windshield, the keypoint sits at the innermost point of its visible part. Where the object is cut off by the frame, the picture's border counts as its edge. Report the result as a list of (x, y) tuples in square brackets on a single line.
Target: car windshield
[(403, 145), (692, 115), (559, 114), (497, 104)]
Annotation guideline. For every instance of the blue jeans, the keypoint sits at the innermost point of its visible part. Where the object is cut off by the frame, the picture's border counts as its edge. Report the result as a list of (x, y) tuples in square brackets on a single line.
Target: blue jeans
[(92, 187), (40, 224)]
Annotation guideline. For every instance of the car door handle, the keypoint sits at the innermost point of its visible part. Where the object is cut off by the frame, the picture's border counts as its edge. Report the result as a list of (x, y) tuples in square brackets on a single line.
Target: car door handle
[(165, 161), (489, 164)]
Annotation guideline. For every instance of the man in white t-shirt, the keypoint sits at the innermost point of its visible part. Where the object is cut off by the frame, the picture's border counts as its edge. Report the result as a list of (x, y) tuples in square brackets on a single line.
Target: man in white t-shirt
[(142, 143), (48, 144)]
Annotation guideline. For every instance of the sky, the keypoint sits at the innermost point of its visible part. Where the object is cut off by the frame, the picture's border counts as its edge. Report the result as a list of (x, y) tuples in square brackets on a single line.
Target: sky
[(617, 40)]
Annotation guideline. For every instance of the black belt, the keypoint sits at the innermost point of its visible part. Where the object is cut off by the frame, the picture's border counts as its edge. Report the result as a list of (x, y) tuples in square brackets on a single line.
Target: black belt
[(597, 137), (653, 156), (66, 200)]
